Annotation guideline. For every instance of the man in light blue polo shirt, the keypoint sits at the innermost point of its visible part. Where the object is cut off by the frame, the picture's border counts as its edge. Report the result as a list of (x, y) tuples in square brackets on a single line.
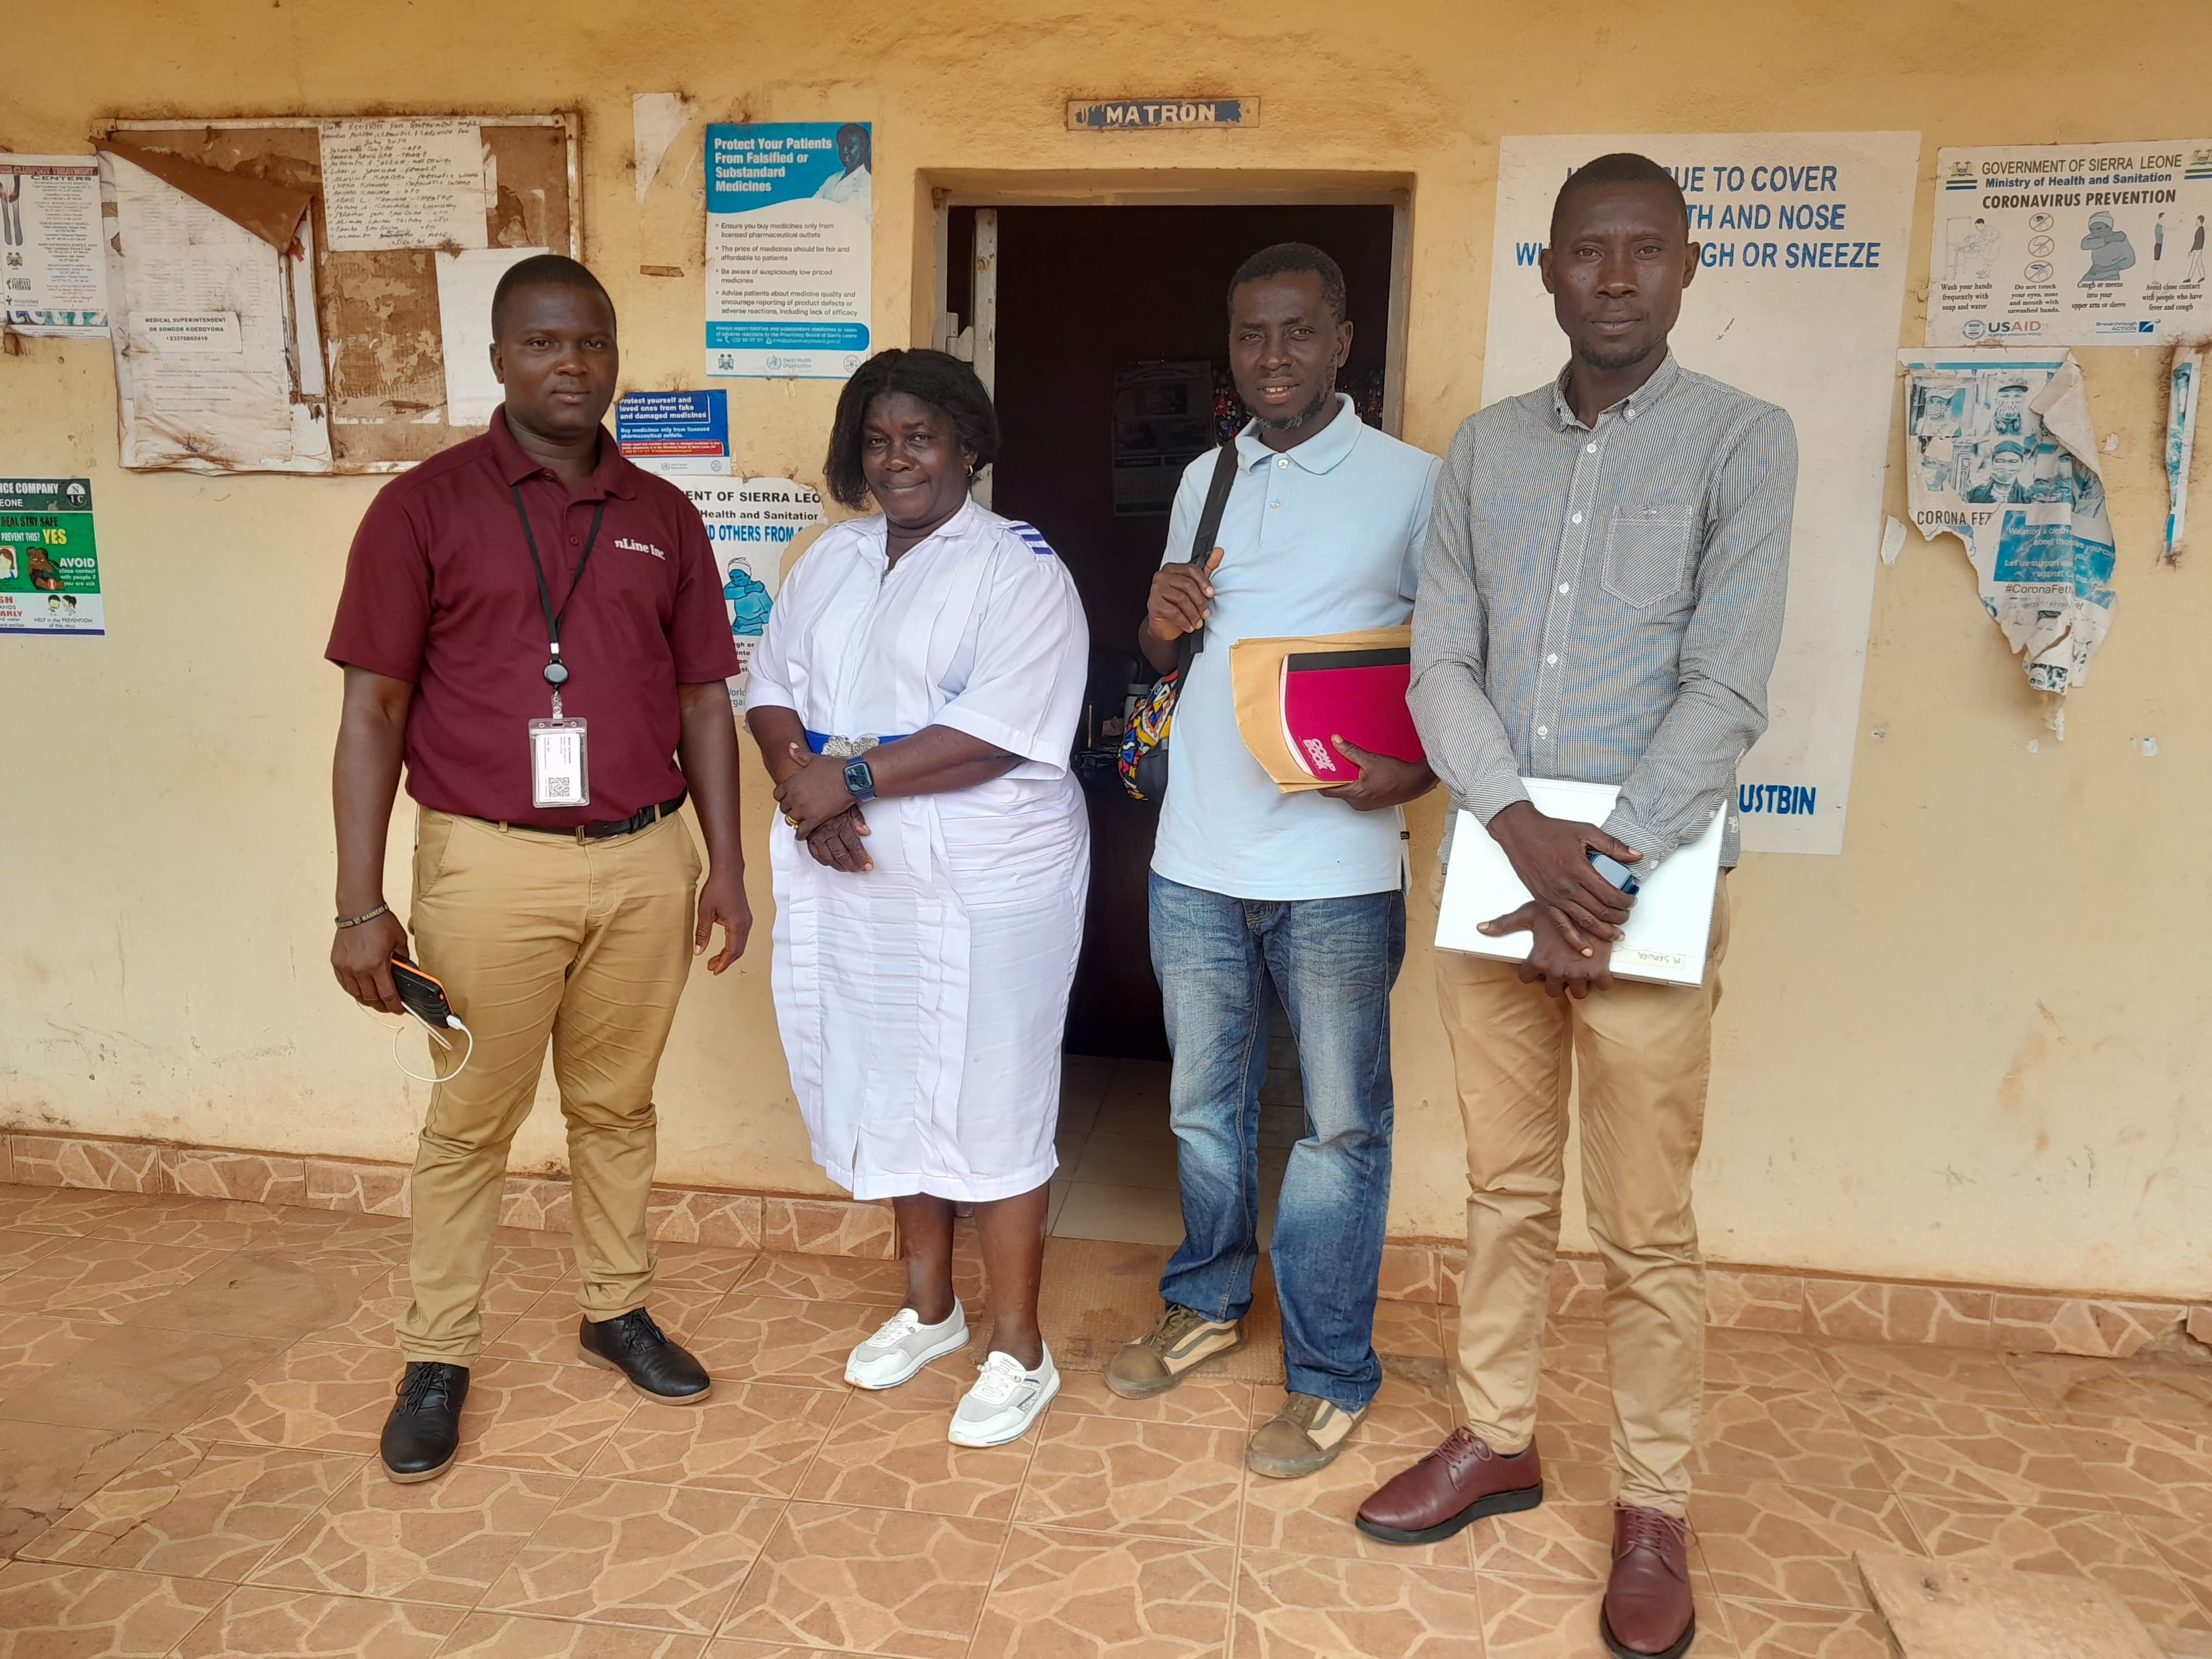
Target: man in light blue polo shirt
[(1322, 534)]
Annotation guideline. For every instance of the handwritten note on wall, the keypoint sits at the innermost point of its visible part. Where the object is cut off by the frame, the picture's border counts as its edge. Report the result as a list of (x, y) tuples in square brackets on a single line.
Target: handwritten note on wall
[(406, 182)]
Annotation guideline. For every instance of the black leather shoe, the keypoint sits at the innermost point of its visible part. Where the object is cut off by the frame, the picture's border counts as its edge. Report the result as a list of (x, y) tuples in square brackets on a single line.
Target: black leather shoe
[(656, 1367), (424, 1430)]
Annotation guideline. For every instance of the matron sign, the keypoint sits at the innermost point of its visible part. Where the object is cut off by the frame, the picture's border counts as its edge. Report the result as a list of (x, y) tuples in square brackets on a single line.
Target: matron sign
[(1142, 114), (1796, 300)]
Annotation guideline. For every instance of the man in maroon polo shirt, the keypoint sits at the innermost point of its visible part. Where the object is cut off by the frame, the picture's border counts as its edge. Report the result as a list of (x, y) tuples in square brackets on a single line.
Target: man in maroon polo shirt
[(535, 627)]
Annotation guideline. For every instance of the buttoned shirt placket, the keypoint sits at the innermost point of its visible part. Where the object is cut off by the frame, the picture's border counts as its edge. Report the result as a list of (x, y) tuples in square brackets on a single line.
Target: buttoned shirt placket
[(1567, 571)]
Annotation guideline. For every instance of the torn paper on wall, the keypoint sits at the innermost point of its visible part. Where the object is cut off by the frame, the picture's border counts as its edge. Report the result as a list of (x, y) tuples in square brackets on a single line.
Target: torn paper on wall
[(465, 282), (50, 232), (203, 337), (412, 181), (1892, 540), (657, 119), (2183, 386), (271, 211), (2002, 457)]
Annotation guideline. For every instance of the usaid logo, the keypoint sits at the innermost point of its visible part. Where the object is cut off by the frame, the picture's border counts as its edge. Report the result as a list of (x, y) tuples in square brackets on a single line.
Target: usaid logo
[(1973, 328)]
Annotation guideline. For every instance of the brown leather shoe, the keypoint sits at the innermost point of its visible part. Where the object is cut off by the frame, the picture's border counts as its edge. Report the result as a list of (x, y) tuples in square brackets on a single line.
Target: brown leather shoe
[(1647, 1613), (1453, 1487)]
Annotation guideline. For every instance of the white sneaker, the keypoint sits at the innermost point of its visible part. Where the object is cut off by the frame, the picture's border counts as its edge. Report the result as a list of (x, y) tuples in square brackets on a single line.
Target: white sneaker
[(1004, 1401), (903, 1346)]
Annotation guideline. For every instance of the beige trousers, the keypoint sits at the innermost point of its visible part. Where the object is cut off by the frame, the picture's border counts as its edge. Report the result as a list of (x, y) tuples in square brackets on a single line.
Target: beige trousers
[(1639, 1056), (539, 937)]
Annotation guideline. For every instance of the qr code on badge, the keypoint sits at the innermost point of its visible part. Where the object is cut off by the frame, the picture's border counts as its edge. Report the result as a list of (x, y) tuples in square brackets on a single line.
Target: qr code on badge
[(561, 789)]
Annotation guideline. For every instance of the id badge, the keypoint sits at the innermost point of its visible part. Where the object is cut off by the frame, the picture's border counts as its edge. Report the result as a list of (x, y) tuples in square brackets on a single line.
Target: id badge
[(558, 776)]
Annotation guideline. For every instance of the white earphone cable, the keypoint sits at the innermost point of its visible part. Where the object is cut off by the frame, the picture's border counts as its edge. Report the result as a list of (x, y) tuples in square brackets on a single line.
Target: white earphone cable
[(436, 1037)]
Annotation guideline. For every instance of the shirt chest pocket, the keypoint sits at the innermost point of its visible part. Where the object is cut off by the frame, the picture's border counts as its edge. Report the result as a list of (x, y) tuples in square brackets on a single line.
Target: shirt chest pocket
[(1647, 552)]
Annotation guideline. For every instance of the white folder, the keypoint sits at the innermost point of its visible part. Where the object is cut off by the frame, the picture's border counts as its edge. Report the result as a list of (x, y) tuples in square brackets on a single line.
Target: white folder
[(1669, 925)]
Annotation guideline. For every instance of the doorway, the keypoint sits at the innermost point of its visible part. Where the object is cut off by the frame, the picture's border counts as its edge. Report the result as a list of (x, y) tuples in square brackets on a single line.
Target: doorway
[(1103, 332)]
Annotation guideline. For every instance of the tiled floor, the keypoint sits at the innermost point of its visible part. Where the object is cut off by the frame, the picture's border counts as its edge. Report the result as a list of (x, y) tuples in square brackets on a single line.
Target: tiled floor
[(190, 1393), (1117, 1155)]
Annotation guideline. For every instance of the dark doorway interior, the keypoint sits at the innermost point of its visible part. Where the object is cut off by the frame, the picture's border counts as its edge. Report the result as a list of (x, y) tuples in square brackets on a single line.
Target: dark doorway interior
[(1086, 296)]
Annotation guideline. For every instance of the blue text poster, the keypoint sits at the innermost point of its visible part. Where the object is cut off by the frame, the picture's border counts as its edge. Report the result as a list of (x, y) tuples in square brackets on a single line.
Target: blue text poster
[(1799, 285), (789, 210)]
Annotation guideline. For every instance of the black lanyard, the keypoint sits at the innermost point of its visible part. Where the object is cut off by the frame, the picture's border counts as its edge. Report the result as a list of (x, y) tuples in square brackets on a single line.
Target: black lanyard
[(557, 671)]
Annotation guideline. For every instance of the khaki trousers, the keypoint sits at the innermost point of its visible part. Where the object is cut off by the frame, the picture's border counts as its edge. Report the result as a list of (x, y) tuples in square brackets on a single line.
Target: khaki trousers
[(539, 937), (1640, 1055)]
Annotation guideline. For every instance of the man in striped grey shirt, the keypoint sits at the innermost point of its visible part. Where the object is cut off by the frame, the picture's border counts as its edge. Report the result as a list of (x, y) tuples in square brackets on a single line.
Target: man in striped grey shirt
[(1601, 599)]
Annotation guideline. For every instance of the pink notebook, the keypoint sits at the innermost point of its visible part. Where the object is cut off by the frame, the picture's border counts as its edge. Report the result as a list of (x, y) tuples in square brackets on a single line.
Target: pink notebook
[(1359, 695)]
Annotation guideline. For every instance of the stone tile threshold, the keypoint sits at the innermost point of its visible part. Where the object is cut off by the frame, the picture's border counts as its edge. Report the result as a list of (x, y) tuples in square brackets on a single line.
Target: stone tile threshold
[(1781, 1301)]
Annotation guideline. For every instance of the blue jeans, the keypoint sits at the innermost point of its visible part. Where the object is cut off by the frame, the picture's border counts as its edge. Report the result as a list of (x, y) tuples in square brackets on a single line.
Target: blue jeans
[(1333, 962)]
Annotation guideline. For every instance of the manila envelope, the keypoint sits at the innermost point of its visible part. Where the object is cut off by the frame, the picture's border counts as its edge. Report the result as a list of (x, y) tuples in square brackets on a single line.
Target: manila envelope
[(1255, 673)]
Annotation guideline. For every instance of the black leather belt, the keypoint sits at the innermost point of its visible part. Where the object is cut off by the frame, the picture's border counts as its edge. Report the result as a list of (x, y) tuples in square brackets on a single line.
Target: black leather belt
[(643, 818)]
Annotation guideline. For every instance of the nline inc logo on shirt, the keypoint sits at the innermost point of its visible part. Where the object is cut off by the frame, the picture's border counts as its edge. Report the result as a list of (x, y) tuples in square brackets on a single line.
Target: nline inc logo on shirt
[(633, 546)]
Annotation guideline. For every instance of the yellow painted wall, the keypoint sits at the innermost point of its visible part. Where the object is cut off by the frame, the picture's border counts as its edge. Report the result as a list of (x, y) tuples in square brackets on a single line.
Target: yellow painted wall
[(1970, 1048)]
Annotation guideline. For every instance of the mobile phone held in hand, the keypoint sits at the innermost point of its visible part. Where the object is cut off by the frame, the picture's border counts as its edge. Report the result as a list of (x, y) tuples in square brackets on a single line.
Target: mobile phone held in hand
[(423, 996), (1611, 868)]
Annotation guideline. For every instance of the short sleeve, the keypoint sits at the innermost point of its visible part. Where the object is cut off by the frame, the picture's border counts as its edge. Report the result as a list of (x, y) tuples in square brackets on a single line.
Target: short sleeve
[(1417, 532), (383, 609), (770, 675), (1024, 694), (699, 638), (1189, 503)]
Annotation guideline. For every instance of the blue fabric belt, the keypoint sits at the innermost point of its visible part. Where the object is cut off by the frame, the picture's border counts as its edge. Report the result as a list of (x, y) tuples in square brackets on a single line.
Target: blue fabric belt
[(817, 741)]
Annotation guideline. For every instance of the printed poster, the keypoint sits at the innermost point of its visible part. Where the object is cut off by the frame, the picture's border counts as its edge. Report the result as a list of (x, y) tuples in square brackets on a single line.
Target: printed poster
[(52, 269), (1797, 300), (752, 523), (790, 211), (49, 562), (2071, 244), (2004, 457), (675, 432)]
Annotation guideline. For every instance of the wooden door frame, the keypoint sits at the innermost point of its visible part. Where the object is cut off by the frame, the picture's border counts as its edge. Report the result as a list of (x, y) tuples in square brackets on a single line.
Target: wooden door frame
[(944, 190)]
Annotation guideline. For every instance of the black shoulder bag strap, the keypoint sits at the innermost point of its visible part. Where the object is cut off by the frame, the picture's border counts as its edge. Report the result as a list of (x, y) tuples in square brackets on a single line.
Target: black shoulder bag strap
[(1201, 546)]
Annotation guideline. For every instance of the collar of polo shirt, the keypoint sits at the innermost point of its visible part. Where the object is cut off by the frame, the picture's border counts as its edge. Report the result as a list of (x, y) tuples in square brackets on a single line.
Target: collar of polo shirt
[(1662, 381), (611, 475), (1319, 453)]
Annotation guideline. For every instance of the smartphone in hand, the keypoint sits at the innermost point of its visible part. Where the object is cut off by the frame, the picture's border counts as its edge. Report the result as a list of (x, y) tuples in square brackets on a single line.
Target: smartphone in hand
[(423, 996)]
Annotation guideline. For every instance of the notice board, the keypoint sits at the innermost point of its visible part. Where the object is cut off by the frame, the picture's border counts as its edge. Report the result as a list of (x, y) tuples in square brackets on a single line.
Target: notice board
[(276, 282)]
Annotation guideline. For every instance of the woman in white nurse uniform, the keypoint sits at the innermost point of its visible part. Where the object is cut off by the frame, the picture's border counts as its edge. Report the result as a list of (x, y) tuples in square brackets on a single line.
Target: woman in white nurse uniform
[(915, 699)]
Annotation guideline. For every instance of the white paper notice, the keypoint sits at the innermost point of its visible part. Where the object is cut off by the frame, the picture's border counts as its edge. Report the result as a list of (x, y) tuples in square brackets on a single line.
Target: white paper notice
[(465, 282), (1796, 300), (656, 120), (214, 331), (2004, 457), (202, 342), (2075, 245), (411, 181), (50, 230)]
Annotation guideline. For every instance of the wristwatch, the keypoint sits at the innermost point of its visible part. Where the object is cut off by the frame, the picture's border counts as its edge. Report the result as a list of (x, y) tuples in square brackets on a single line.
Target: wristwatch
[(861, 781)]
